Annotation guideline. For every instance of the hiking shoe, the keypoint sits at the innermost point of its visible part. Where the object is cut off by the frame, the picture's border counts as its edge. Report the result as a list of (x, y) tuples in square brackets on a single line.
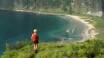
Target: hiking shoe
[(35, 51)]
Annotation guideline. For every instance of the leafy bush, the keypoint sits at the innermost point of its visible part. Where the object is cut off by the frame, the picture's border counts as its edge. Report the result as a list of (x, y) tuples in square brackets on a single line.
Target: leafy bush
[(88, 49), (18, 45)]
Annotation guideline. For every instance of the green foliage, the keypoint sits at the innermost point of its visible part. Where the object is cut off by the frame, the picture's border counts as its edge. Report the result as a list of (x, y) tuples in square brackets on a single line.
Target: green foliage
[(59, 6), (18, 45), (88, 49)]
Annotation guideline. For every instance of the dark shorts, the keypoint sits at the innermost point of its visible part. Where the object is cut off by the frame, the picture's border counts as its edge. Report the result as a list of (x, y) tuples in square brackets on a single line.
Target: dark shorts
[(36, 42)]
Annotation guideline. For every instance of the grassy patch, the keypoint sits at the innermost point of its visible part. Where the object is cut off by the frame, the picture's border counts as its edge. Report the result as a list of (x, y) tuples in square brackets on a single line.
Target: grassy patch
[(87, 49)]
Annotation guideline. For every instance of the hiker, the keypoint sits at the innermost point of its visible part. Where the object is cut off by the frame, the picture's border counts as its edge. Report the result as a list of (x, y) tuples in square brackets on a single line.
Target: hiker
[(35, 39)]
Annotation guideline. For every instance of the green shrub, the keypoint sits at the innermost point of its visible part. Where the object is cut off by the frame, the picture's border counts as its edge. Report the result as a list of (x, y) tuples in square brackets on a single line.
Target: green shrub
[(88, 49)]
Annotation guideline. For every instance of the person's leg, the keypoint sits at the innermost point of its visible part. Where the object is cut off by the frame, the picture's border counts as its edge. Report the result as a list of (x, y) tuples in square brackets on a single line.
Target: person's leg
[(35, 46)]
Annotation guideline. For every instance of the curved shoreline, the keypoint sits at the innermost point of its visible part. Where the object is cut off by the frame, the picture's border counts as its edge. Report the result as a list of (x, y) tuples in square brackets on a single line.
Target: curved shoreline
[(89, 32)]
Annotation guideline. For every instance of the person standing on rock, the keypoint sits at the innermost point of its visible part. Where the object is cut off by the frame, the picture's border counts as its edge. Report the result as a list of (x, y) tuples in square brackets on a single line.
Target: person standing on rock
[(35, 39)]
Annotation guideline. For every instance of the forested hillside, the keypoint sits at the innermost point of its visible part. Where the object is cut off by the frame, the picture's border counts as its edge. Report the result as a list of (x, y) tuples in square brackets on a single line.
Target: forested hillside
[(93, 7)]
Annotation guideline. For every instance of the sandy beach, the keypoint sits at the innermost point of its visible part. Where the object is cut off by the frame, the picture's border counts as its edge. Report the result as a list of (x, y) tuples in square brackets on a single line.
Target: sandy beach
[(89, 32)]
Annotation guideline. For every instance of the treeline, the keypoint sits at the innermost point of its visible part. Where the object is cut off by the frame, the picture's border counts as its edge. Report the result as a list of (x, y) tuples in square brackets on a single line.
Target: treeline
[(69, 6)]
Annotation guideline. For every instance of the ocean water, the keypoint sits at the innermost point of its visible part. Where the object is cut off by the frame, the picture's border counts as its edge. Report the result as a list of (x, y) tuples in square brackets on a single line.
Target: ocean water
[(16, 26)]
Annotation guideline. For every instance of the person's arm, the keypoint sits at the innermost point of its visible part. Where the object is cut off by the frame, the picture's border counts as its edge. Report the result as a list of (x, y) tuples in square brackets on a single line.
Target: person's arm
[(31, 36)]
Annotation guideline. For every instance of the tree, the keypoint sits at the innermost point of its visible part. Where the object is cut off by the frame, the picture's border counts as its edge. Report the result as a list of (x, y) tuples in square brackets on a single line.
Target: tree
[(102, 5), (70, 10)]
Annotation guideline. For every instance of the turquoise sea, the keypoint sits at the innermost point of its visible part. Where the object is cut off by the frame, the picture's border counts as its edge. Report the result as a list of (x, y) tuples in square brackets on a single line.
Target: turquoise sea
[(18, 26)]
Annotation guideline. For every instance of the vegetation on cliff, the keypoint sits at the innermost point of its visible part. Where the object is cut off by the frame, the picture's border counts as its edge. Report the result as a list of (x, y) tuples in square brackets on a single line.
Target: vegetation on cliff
[(88, 49)]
